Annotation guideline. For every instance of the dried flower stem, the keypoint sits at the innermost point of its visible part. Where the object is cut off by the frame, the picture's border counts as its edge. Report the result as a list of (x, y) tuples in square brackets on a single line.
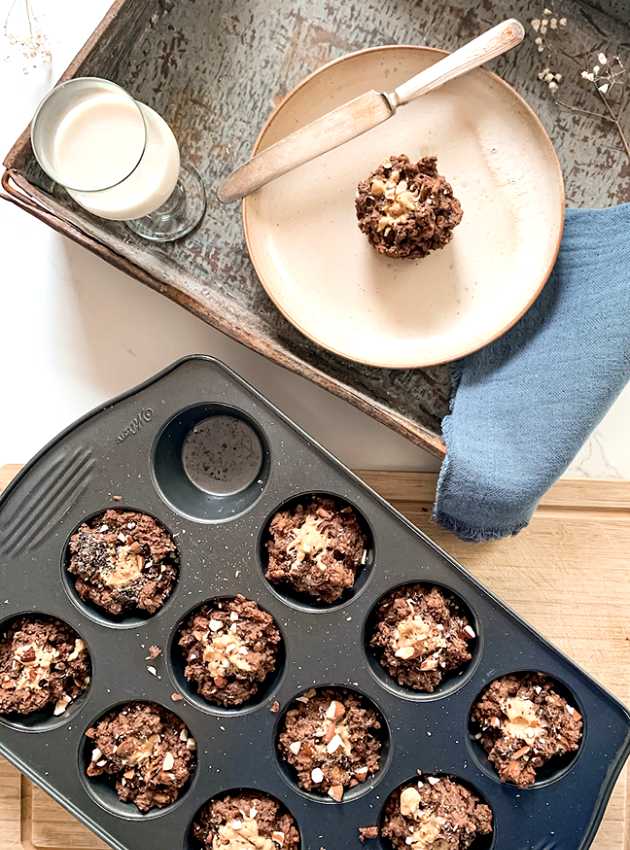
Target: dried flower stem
[(607, 77), (616, 121)]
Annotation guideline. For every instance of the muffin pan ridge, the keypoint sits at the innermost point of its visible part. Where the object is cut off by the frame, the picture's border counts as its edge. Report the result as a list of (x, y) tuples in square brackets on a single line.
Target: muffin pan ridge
[(136, 454)]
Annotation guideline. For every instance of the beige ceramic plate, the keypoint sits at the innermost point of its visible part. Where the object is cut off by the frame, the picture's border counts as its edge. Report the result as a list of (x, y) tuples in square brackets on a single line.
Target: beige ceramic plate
[(319, 269)]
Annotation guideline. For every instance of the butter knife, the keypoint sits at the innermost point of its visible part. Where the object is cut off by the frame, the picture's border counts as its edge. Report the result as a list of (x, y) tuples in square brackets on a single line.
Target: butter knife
[(364, 112)]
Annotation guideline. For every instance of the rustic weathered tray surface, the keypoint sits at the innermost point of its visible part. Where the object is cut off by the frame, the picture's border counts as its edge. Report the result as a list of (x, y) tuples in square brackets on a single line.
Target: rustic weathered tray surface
[(566, 570), (214, 68)]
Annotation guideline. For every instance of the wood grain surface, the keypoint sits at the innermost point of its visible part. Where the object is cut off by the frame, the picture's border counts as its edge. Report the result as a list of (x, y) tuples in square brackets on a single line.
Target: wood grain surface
[(566, 574), (215, 68)]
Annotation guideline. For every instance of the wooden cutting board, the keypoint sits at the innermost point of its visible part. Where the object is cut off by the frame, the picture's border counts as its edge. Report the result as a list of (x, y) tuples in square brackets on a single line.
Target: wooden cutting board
[(568, 574)]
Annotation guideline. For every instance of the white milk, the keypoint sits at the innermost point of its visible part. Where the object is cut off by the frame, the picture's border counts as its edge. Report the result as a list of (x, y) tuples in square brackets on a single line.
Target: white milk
[(96, 144)]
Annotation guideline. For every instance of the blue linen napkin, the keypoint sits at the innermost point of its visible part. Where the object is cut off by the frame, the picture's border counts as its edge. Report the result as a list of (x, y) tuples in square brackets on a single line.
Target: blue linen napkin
[(523, 406)]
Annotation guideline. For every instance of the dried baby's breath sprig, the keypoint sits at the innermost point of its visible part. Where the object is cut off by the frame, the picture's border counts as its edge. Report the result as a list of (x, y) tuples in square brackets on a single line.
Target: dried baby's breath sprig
[(607, 76), (546, 26), (22, 37)]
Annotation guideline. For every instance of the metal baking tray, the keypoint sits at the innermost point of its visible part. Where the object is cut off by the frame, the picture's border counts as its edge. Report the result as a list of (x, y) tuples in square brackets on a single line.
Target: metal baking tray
[(130, 448), (215, 68)]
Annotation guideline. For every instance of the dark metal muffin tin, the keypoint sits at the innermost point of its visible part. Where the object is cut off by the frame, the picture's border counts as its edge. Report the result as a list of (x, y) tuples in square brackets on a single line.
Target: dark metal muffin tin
[(131, 448)]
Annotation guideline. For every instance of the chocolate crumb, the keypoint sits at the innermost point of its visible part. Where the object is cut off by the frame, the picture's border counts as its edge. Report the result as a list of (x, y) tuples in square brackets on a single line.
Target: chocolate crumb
[(366, 833), (154, 652), (275, 707)]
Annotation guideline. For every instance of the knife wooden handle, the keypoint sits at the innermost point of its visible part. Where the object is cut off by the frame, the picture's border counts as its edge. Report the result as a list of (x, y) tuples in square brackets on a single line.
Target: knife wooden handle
[(487, 46)]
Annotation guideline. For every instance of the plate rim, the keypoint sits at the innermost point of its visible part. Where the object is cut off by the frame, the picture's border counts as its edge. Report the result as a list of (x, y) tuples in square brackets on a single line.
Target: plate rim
[(466, 350)]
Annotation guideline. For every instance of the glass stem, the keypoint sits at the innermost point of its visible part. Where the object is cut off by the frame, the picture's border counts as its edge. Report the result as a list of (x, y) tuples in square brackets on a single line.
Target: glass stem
[(174, 204)]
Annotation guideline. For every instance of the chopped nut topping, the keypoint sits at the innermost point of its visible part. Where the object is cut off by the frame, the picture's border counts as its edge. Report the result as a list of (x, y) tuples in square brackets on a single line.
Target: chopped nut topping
[(143, 751), (334, 744), (224, 650), (336, 793), (61, 705), (409, 802), (308, 540), (377, 187), (317, 775), (79, 647), (36, 662), (415, 637), (523, 720), (244, 835), (126, 567), (426, 835), (335, 710)]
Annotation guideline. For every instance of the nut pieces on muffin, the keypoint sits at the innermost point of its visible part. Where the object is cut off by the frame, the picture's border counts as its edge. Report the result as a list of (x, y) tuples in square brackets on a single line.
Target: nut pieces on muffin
[(421, 636), (243, 820), (407, 209), (230, 647), (44, 665), (316, 548), (330, 737), (435, 812), (145, 751), (123, 562), (522, 723)]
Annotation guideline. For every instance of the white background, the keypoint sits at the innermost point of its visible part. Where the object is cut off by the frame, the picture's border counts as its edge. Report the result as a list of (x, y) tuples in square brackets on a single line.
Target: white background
[(75, 332)]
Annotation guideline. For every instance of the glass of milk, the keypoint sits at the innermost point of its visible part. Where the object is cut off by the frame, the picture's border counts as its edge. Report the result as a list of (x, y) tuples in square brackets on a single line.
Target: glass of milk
[(117, 158)]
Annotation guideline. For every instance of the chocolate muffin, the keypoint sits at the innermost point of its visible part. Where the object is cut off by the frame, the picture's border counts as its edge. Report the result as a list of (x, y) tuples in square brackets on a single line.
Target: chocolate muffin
[(123, 562), (44, 665), (230, 647), (316, 548), (330, 737), (522, 723), (145, 751), (407, 209), (245, 819), (420, 636), (435, 813)]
